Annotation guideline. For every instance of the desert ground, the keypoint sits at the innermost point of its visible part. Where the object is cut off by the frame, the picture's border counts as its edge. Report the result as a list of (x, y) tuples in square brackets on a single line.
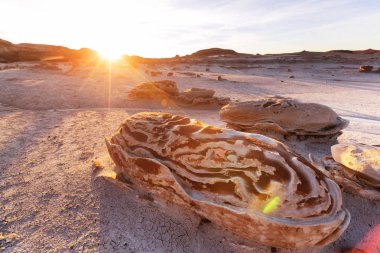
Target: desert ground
[(54, 118)]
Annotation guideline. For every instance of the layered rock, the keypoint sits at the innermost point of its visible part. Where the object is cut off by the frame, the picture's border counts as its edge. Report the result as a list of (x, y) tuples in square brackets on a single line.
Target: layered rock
[(154, 90), (356, 167), (283, 117), (194, 97), (249, 184)]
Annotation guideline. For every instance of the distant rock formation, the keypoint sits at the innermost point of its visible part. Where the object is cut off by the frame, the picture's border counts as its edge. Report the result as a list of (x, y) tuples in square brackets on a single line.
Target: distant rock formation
[(10, 52), (214, 52), (367, 51)]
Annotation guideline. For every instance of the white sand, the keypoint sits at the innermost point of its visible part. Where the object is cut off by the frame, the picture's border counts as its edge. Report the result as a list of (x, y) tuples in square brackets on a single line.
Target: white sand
[(54, 123)]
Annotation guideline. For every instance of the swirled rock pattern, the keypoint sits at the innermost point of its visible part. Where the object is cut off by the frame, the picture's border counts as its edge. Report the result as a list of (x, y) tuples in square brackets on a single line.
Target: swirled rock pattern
[(281, 117), (249, 184)]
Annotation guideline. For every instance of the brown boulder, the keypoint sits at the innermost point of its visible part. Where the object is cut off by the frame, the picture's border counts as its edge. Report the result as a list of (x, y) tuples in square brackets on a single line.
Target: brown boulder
[(280, 117), (168, 86), (356, 167), (365, 68), (154, 90), (198, 93), (198, 97)]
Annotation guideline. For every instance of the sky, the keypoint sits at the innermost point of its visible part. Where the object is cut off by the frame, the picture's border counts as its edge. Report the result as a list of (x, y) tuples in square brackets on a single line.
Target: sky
[(165, 28)]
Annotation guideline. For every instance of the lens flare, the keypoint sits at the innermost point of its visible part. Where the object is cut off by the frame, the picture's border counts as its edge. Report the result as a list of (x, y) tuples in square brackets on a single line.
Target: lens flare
[(272, 205), (110, 54)]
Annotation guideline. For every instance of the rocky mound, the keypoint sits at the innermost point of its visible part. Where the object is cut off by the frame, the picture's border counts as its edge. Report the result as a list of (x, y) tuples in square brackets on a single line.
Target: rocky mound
[(214, 52), (356, 167), (167, 91), (281, 117)]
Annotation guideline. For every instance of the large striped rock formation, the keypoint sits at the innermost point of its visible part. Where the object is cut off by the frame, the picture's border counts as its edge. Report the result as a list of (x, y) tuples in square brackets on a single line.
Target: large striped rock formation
[(249, 184)]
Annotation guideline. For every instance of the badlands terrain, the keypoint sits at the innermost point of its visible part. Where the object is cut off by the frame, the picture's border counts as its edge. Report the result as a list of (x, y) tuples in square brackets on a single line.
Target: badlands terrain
[(54, 117)]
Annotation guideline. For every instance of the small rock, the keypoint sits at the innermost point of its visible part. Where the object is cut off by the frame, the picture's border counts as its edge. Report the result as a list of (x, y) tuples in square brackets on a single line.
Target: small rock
[(155, 73), (365, 68)]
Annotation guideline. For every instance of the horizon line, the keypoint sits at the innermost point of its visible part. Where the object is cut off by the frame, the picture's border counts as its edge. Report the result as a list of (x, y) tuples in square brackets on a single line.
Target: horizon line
[(136, 55)]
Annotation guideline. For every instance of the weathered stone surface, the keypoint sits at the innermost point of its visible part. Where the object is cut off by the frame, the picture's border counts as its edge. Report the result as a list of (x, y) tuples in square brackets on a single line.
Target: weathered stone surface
[(168, 86), (154, 90), (198, 93), (168, 91), (361, 159), (200, 98), (280, 117), (249, 184), (356, 167), (349, 180)]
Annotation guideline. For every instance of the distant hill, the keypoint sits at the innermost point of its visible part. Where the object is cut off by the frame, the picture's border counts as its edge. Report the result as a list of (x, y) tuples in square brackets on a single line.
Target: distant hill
[(214, 52), (10, 52), (367, 51)]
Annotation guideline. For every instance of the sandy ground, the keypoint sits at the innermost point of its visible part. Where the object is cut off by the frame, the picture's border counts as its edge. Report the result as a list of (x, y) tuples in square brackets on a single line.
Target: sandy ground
[(53, 124)]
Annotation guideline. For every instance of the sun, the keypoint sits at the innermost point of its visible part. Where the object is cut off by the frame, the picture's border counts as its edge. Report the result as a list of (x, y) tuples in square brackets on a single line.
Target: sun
[(110, 53)]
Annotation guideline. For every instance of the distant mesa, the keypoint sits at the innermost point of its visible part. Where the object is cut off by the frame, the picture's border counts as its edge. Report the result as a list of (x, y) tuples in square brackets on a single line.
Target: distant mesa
[(367, 51), (342, 51), (214, 52)]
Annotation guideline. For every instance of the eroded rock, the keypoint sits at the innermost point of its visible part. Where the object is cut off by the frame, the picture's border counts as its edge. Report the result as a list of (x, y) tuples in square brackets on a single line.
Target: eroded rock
[(198, 93), (196, 97), (158, 90), (356, 167), (167, 91), (249, 184), (280, 117)]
